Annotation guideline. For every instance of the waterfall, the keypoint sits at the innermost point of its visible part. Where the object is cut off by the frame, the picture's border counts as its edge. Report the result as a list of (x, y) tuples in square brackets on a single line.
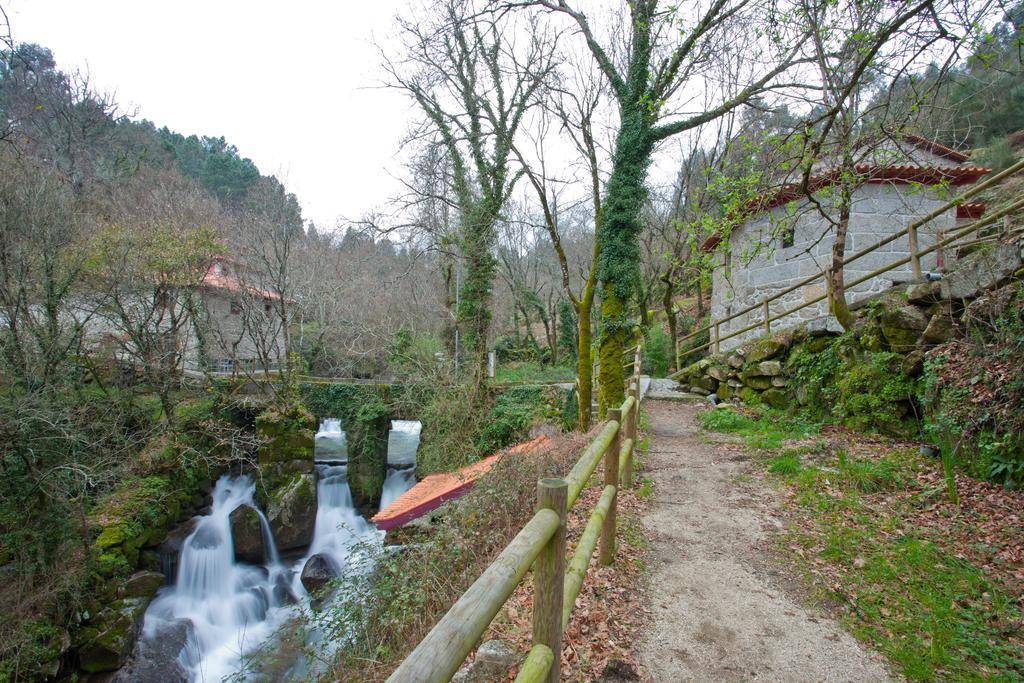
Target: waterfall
[(397, 482), (331, 442), (403, 441), (228, 608)]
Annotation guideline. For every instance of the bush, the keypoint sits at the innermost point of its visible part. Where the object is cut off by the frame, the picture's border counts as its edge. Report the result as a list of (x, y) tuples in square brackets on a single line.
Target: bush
[(658, 352)]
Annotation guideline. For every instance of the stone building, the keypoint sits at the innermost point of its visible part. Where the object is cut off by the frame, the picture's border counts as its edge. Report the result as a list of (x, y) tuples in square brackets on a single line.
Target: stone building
[(785, 239)]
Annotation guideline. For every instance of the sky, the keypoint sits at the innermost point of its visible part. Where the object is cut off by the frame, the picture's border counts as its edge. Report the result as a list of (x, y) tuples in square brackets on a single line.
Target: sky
[(295, 86)]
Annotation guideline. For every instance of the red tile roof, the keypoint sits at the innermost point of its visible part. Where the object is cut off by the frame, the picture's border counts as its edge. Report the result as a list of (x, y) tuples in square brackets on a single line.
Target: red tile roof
[(222, 280), (972, 211), (437, 489), (869, 173)]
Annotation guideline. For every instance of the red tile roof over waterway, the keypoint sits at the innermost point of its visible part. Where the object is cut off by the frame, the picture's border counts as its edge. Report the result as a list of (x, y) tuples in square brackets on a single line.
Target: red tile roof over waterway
[(438, 489)]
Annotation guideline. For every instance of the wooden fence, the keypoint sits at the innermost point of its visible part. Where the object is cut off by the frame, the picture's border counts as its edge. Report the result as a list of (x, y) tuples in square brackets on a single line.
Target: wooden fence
[(914, 259), (541, 545)]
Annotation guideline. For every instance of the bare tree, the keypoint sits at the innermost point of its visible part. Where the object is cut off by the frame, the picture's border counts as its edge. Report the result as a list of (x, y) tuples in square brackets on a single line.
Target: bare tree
[(474, 73)]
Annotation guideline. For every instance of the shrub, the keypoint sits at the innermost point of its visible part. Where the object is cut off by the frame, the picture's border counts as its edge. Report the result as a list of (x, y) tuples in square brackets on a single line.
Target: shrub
[(658, 352)]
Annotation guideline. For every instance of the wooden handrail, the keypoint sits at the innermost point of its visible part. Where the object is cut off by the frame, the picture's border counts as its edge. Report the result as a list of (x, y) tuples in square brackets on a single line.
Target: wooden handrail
[(540, 543), (911, 227)]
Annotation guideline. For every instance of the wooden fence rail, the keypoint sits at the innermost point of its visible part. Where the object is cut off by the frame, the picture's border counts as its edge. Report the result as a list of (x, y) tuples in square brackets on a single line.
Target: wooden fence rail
[(714, 327), (541, 545)]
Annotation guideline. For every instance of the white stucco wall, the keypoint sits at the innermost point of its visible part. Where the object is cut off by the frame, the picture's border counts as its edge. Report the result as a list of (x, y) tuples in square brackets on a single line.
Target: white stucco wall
[(760, 267)]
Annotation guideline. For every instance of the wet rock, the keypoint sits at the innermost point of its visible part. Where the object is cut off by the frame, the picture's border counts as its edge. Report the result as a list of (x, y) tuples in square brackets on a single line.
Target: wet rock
[(157, 659), (106, 640), (283, 594), (290, 509), (247, 535), (143, 584), (492, 661), (318, 571), (170, 548)]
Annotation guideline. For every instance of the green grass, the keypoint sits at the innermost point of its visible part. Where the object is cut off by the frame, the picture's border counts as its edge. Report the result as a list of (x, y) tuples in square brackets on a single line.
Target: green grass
[(532, 372), (934, 615), (764, 430)]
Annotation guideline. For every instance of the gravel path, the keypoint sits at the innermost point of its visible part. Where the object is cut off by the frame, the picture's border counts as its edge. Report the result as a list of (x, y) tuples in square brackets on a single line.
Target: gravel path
[(721, 609)]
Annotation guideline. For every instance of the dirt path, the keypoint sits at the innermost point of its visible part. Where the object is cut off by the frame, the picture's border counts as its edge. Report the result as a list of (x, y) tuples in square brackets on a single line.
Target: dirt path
[(720, 608)]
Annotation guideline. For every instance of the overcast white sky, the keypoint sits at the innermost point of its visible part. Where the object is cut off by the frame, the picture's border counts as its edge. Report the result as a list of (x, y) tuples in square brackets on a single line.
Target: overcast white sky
[(292, 85)]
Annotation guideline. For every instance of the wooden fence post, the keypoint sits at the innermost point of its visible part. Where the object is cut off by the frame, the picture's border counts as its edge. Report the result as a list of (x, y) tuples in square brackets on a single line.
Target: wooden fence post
[(915, 259), (629, 431), (767, 322), (549, 575), (611, 476), (716, 336)]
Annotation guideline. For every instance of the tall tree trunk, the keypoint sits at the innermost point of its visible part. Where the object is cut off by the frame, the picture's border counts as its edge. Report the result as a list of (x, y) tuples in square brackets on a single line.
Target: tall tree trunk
[(836, 285), (620, 248), (474, 310), (584, 361), (670, 310)]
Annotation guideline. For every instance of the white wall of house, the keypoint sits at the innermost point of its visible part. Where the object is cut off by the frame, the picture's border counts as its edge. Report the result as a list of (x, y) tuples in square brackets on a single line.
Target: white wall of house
[(758, 265)]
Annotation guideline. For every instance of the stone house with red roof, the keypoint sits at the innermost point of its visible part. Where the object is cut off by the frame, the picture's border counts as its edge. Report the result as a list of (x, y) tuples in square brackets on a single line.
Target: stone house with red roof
[(784, 238)]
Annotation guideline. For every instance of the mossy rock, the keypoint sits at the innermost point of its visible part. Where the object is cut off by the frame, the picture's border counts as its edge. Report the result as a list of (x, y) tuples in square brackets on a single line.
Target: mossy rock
[(750, 396), (705, 382), (290, 507), (106, 640), (776, 398), (755, 380), (726, 392), (286, 433), (764, 349), (901, 323)]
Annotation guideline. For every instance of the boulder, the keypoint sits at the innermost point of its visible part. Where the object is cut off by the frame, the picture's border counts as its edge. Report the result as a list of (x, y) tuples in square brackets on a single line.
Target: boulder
[(902, 323), (291, 511), (913, 363), (705, 382), (726, 391), (770, 368), (940, 328), (980, 271), (734, 360), (776, 398), (247, 535), (748, 395), (106, 640), (158, 659), (718, 372), (924, 293), (143, 584), (780, 382), (170, 548), (318, 571), (755, 380), (763, 349), (700, 391), (492, 662)]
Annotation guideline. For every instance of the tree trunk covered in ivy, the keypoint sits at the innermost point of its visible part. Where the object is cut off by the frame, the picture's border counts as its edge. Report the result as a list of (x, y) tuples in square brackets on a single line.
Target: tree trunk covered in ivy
[(618, 264)]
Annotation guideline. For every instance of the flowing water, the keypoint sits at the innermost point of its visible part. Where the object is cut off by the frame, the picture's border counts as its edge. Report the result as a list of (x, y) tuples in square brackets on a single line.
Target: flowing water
[(230, 608), (403, 442)]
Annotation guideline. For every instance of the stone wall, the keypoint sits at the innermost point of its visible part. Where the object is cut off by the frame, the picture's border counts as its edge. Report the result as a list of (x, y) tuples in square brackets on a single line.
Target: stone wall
[(906, 319), (758, 265)]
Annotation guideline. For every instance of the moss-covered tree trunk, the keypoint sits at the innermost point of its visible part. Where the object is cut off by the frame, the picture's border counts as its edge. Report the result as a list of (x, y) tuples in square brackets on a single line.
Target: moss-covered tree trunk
[(619, 261), (474, 310), (584, 361)]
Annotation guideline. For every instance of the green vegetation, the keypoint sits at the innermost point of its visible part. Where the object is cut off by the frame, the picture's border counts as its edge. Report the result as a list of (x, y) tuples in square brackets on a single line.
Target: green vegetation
[(526, 372), (973, 390), (840, 379), (936, 616), (764, 429), (657, 352)]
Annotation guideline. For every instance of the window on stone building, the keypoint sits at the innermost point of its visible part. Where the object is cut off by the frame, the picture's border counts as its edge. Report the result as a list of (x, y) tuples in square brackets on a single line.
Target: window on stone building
[(788, 236)]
